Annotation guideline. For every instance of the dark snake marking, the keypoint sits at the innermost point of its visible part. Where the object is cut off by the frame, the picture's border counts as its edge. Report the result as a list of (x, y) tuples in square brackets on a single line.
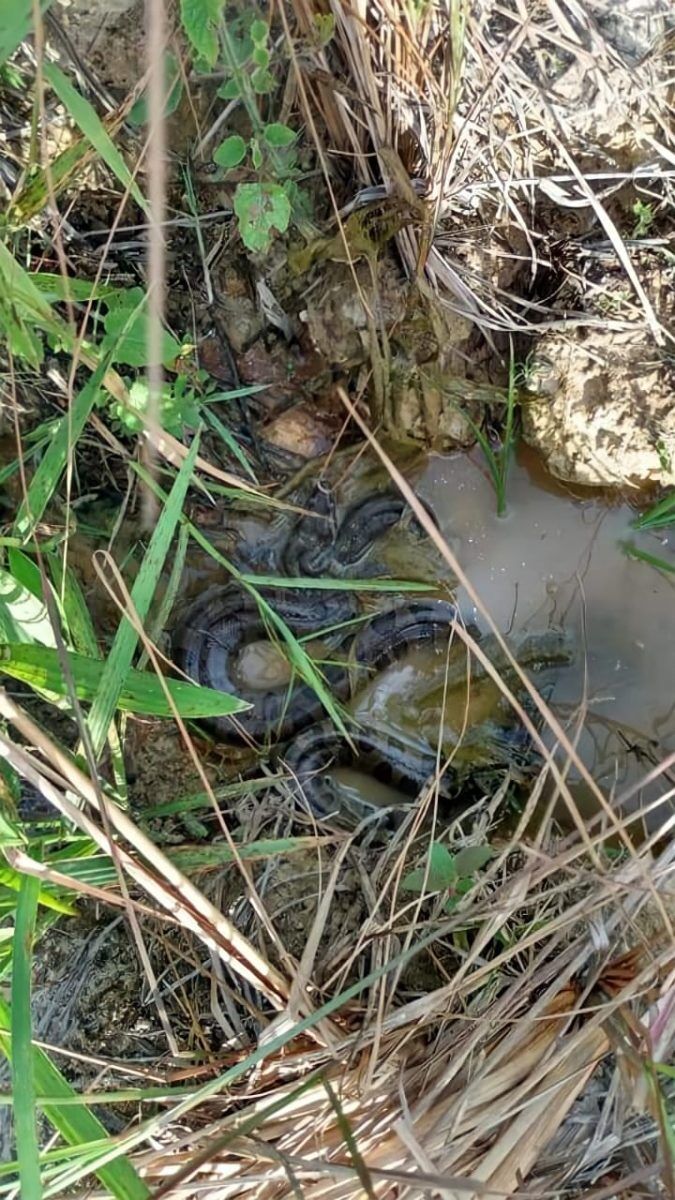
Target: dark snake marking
[(313, 754), (222, 623)]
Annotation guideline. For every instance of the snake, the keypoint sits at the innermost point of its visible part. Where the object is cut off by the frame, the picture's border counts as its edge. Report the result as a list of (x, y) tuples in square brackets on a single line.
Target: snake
[(218, 627)]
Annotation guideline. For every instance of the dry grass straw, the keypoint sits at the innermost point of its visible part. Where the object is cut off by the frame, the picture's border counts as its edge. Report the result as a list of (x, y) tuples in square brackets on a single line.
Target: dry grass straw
[(354, 1087), (488, 111), (457, 1091)]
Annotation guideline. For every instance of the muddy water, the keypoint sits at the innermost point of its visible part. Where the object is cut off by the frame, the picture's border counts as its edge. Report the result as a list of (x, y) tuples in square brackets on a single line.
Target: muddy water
[(556, 560)]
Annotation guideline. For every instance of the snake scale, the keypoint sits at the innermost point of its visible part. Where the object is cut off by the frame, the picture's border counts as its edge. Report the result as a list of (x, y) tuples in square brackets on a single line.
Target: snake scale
[(218, 626)]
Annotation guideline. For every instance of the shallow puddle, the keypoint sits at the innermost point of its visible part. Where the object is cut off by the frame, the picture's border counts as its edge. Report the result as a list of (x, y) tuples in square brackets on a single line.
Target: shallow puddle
[(558, 561)]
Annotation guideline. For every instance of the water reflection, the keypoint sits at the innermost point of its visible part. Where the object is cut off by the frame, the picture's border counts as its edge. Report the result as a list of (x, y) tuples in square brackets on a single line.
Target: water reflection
[(557, 560)]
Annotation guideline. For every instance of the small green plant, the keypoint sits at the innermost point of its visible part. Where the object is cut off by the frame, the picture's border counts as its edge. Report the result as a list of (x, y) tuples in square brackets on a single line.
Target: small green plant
[(498, 457), (644, 218), (269, 152), (446, 872), (659, 516)]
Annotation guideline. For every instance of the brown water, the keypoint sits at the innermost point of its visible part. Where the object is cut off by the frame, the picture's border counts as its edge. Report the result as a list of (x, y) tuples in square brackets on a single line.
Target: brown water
[(557, 561)]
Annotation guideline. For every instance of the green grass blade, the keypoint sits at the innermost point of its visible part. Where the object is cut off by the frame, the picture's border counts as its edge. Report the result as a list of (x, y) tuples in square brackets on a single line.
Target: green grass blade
[(77, 619), (16, 22), (47, 477), (99, 870), (89, 122), (318, 584), (29, 450), (13, 881), (156, 627), (23, 616), (76, 1125), (652, 560), (23, 1074), (126, 638), (134, 691), (26, 298), (56, 288), (658, 516), (230, 441)]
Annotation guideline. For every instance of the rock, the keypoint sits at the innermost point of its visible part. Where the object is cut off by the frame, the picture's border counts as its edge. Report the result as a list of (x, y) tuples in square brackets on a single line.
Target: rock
[(429, 406), (600, 409), (305, 429), (337, 313)]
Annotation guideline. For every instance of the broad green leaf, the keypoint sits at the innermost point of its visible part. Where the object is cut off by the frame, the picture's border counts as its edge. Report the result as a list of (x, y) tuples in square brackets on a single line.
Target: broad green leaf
[(200, 21), (25, 570), (277, 134), (229, 90), (261, 56), (230, 152), (89, 122), (126, 330), (259, 32), (23, 1066), (77, 1125), (16, 22), (47, 477), (262, 81), (471, 859), (9, 878), (259, 208), (23, 617), (439, 874), (56, 288), (136, 691)]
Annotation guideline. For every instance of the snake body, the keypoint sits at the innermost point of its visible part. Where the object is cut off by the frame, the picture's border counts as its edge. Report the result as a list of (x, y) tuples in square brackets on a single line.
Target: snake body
[(224, 621)]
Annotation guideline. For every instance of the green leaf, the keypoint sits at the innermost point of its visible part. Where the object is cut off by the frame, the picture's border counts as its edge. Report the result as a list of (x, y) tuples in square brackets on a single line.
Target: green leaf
[(440, 873), (23, 1072), (229, 90), (259, 32), (259, 208), (173, 90), (137, 692), (324, 27), (22, 307), (230, 152), (25, 570), (200, 20), (56, 288), (23, 341), (89, 122), (471, 859), (77, 619), (277, 134), (46, 478), (256, 153), (23, 617), (77, 1125), (16, 23), (118, 664), (262, 81), (260, 56), (126, 331)]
